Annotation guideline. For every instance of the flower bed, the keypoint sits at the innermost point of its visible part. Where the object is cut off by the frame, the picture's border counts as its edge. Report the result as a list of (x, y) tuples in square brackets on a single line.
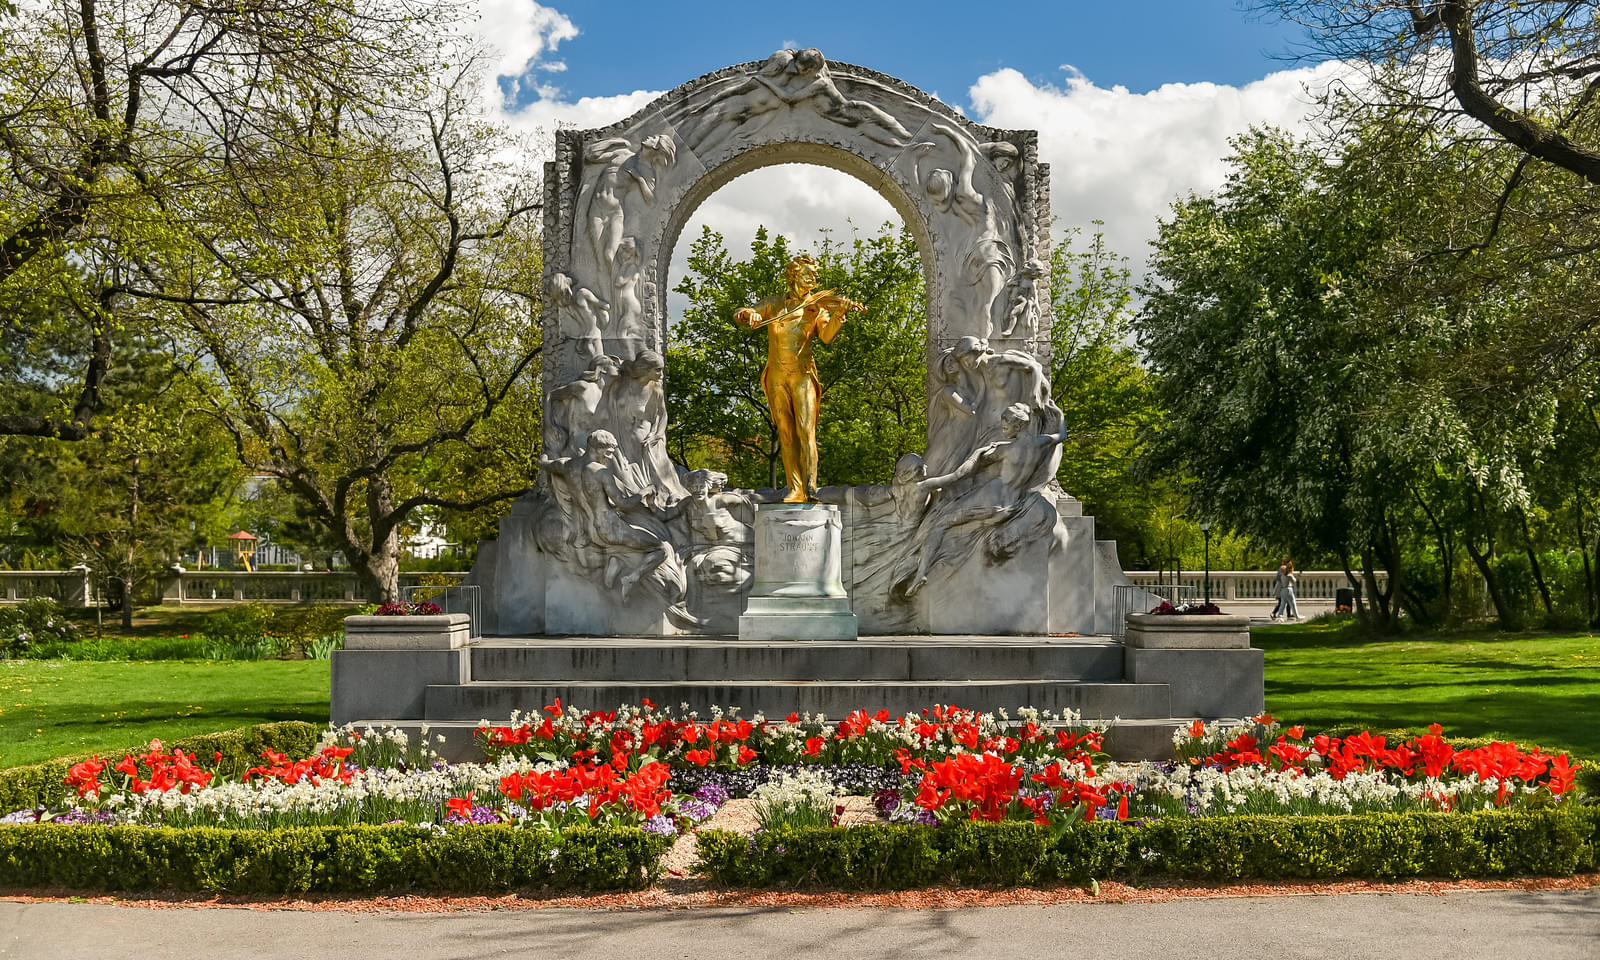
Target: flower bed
[(1027, 799), (408, 608)]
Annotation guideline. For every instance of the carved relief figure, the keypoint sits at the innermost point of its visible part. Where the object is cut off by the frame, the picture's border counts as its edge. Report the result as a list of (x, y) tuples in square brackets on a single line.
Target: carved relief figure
[(906, 490), (1023, 296), (953, 407), (1004, 378), (1009, 474), (581, 316), (790, 78), (615, 515), (790, 378), (623, 170), (988, 262), (708, 509), (627, 304), (573, 409), (639, 410), (722, 568)]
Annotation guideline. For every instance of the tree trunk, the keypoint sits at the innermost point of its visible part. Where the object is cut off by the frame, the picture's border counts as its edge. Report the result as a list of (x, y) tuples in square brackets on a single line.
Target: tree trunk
[(379, 567), (1491, 579), (1446, 556), (1359, 608), (1491, 582), (129, 558), (379, 573), (1378, 618), (1594, 621), (1533, 561)]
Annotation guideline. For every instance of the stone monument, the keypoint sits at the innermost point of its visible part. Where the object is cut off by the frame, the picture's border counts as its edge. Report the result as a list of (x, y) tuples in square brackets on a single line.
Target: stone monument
[(620, 540), (972, 553)]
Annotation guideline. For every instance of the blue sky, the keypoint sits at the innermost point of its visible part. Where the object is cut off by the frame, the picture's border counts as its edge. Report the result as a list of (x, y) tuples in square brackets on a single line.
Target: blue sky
[(941, 46)]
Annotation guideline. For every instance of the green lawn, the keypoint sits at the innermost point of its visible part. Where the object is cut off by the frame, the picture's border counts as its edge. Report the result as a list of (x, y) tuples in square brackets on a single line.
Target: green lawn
[(1534, 689), (52, 708), (1542, 690)]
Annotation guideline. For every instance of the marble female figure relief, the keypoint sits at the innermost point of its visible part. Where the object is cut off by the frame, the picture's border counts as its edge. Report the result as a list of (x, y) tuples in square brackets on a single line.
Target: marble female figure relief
[(623, 171)]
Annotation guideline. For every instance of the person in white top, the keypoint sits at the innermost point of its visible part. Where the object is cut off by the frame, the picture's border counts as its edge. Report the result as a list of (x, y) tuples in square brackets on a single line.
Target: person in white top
[(1286, 595)]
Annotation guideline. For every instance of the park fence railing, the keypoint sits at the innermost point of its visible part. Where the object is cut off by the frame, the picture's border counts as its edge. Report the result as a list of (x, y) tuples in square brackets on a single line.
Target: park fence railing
[(70, 588), (309, 586)]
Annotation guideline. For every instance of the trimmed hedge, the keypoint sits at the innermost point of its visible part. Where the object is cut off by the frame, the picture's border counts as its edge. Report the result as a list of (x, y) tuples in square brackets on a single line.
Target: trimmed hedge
[(356, 859), (1391, 845), (42, 783)]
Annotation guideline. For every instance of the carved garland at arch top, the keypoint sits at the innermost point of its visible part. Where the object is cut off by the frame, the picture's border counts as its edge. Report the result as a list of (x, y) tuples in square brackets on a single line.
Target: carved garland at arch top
[(976, 197)]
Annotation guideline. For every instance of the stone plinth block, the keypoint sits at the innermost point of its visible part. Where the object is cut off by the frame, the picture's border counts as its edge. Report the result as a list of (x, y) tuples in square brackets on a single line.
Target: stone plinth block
[(798, 592), (1153, 631), (797, 550), (444, 631), (391, 684), (1210, 683)]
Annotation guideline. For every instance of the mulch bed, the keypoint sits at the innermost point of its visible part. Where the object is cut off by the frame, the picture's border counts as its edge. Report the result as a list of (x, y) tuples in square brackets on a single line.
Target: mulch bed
[(674, 893)]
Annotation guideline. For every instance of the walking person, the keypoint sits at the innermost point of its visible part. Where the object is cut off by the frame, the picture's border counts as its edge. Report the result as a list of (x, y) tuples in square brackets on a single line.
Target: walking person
[(1290, 610), (1278, 583)]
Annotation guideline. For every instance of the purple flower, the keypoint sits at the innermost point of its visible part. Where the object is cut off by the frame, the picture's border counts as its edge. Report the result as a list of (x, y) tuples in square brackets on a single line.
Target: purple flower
[(712, 793), (662, 824)]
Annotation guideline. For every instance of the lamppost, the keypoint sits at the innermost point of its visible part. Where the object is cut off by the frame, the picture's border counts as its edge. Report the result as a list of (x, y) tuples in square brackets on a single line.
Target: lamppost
[(1205, 528)]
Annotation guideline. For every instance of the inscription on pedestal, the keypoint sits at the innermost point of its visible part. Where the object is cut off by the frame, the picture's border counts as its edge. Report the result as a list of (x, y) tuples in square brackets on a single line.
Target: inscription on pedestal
[(797, 551), (798, 593)]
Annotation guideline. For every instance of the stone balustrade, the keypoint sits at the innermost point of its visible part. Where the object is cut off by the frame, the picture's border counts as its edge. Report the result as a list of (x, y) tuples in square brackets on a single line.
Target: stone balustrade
[(70, 588), (1249, 592), (309, 586)]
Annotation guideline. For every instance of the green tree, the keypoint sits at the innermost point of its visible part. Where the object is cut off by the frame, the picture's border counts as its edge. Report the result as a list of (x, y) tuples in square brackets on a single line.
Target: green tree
[(153, 479), (110, 110), (1108, 398), (1525, 69), (1334, 379), (874, 374), (365, 285)]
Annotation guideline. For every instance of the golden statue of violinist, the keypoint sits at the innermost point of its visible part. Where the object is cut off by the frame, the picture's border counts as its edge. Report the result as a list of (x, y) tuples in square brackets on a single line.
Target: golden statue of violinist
[(790, 378)]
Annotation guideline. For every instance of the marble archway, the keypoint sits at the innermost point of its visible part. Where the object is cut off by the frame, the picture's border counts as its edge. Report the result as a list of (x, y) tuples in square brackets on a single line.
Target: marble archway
[(620, 541), (976, 198)]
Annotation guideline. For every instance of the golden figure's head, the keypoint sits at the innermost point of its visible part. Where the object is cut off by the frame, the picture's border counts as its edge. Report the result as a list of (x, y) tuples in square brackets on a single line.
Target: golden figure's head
[(802, 274)]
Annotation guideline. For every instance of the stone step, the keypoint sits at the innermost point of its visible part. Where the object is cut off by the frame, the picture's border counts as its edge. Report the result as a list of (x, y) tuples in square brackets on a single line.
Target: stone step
[(495, 700), (676, 660)]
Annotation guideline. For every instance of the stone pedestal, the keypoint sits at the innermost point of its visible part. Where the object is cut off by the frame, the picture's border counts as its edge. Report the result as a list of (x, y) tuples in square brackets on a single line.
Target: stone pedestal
[(387, 664), (1206, 661), (798, 592)]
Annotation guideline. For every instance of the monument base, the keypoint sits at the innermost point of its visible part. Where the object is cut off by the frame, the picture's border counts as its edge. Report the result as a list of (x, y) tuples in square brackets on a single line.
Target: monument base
[(797, 618), (798, 594)]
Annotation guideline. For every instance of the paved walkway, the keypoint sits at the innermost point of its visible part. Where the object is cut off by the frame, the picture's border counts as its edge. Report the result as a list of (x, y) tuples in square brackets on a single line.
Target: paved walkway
[(1495, 925)]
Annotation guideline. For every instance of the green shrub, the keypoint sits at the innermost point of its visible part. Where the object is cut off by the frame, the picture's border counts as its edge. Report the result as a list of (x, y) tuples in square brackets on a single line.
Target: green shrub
[(125, 648), (1487, 844), (312, 627), (247, 621), (27, 787), (33, 622), (358, 859)]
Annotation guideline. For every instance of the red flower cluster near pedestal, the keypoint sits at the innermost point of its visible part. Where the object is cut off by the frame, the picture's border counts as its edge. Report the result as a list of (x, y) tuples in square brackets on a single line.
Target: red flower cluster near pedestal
[(329, 764)]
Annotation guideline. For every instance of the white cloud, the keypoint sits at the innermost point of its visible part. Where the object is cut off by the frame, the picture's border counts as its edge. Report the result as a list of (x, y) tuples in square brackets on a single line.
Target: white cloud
[(522, 34), (795, 200), (1124, 157)]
